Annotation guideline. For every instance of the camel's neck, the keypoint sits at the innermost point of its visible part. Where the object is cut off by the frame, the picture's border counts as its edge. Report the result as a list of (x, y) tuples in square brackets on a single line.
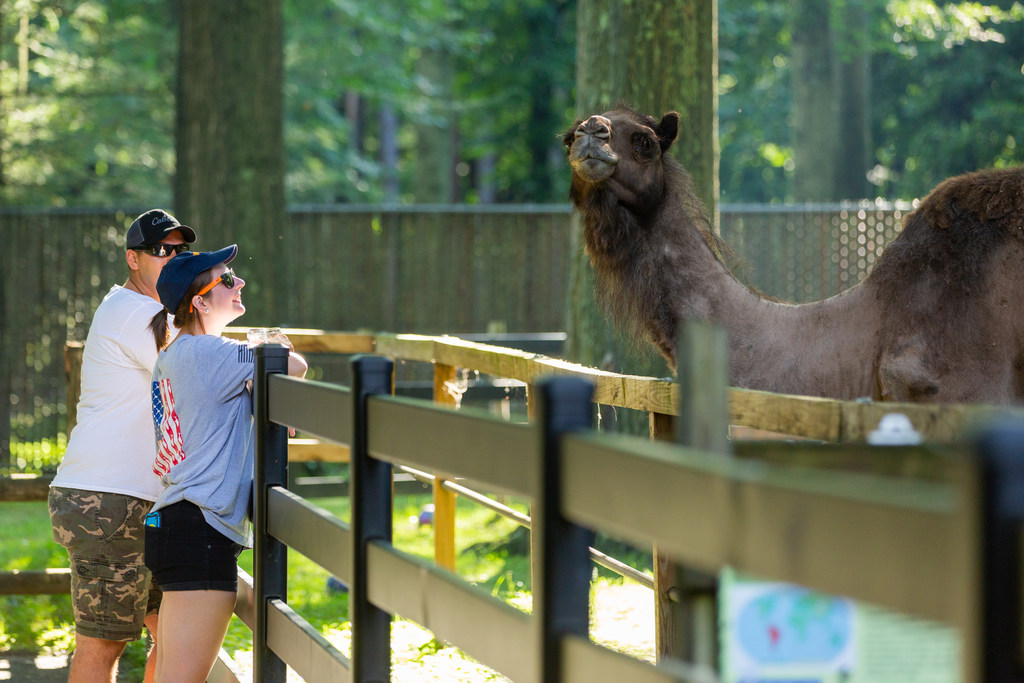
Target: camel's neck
[(655, 271), (652, 271)]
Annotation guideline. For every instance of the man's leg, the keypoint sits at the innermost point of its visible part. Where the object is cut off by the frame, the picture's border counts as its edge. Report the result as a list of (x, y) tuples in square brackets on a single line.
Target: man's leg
[(151, 626), (94, 660), (110, 588)]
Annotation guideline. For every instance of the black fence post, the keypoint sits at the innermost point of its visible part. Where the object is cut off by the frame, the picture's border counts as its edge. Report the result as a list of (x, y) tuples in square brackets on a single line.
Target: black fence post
[(371, 521), (1001, 454), (561, 574), (270, 561)]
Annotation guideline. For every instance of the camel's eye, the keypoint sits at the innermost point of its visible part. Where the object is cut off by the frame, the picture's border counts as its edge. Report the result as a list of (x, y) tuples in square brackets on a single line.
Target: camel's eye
[(642, 145)]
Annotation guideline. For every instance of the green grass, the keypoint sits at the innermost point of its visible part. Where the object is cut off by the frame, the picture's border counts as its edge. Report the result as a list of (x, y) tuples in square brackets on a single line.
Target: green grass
[(30, 622)]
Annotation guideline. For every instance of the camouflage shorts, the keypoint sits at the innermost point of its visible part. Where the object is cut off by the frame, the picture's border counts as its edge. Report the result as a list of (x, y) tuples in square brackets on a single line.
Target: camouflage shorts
[(111, 589)]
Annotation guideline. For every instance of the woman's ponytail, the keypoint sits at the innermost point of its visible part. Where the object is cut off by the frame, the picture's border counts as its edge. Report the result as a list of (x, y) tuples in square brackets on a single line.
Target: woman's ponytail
[(158, 326)]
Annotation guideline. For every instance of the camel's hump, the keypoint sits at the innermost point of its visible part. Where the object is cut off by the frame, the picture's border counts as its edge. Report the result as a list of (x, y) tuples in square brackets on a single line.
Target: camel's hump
[(991, 195)]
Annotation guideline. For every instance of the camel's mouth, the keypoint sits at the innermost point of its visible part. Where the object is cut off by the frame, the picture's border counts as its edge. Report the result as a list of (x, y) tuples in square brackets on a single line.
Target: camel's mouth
[(591, 156), (594, 169)]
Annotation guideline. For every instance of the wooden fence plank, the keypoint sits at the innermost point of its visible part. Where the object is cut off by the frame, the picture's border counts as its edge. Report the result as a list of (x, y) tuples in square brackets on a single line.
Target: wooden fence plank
[(816, 418), (330, 410), (453, 610), (585, 662), (35, 582), (444, 500), (830, 531), (302, 647), (311, 450), (317, 341), (245, 607), (469, 444), (312, 531), (686, 605), (800, 416), (25, 487), (224, 670)]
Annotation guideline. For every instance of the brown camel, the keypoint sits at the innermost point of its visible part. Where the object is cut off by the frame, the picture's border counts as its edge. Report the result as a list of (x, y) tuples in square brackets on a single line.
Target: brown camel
[(940, 317)]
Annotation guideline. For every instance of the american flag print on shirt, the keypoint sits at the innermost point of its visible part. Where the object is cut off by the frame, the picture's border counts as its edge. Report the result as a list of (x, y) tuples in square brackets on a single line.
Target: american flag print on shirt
[(171, 449)]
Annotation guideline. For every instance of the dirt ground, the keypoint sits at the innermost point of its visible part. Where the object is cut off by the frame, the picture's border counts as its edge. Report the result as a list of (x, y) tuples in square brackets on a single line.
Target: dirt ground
[(32, 667)]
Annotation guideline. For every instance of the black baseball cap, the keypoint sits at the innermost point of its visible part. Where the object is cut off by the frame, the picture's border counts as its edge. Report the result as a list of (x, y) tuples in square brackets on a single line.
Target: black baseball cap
[(153, 226), (180, 272)]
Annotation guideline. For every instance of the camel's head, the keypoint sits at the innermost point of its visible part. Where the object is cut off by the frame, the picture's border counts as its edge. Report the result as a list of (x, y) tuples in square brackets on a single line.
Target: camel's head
[(620, 151)]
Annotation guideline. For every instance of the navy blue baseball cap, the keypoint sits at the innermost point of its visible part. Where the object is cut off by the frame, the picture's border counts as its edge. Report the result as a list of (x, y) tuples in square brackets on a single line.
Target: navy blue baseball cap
[(180, 272), (153, 226)]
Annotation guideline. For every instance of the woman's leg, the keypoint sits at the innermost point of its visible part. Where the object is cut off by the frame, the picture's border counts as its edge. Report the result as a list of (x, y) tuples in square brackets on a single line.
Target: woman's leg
[(192, 628)]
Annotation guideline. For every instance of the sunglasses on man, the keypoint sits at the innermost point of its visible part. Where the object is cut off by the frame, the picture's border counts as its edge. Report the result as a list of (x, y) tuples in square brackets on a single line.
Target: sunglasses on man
[(227, 278), (162, 250)]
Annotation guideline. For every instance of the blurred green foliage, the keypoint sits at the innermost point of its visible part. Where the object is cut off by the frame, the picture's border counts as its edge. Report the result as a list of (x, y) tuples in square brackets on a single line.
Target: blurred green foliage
[(87, 92)]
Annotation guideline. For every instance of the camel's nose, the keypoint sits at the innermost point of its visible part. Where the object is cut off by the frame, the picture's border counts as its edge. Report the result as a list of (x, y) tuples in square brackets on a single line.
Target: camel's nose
[(597, 126)]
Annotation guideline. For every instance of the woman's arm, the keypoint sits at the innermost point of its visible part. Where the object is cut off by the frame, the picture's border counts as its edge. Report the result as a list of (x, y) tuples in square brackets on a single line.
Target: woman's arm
[(297, 365)]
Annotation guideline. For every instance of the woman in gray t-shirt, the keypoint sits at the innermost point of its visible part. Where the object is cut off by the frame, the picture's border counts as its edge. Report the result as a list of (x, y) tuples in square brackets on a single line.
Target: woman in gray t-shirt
[(202, 410)]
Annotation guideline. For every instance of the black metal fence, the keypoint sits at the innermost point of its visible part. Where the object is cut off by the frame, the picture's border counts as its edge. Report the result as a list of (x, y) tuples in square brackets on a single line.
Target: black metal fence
[(947, 550), (426, 269)]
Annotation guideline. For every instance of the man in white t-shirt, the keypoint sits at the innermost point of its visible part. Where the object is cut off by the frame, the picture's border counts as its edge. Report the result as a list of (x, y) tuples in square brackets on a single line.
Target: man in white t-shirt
[(105, 484)]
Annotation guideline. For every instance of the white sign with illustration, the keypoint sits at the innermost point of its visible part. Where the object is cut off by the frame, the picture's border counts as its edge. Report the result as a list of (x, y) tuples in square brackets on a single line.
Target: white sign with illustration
[(781, 632)]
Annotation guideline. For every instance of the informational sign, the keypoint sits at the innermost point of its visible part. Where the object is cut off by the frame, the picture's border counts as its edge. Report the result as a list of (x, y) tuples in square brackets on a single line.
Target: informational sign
[(780, 633)]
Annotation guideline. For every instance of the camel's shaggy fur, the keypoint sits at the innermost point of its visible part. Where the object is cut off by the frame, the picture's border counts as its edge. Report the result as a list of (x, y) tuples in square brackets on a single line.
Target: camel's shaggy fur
[(940, 318)]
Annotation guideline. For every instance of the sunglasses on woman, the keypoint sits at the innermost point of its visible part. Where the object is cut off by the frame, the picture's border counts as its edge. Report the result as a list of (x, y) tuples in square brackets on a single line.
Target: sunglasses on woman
[(227, 278), (163, 250)]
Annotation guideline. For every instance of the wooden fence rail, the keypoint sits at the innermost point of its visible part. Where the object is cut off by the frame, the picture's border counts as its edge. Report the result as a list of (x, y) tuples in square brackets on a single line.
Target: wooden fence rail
[(820, 419), (911, 545), (326, 415)]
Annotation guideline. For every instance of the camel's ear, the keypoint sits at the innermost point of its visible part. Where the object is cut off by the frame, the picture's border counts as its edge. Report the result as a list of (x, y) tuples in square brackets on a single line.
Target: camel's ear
[(570, 135), (667, 130)]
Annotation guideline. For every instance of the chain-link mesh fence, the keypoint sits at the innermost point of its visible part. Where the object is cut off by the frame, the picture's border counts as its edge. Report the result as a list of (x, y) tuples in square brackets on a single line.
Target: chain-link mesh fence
[(446, 269)]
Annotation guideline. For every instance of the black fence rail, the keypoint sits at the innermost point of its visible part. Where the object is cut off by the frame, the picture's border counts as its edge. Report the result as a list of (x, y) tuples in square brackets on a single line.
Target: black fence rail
[(909, 544)]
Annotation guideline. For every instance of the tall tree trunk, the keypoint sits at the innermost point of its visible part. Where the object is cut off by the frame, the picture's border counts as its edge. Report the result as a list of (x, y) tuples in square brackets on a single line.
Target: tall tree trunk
[(3, 127), (853, 82), (657, 56), (229, 136), (814, 105), (545, 111), (8, 355), (353, 109), (486, 190), (433, 178), (661, 56), (389, 152)]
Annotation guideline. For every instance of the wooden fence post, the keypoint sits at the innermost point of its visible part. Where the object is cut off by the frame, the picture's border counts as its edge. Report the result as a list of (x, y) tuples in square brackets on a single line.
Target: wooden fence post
[(270, 559), (561, 550), (686, 614), (371, 521), (73, 375), (444, 500)]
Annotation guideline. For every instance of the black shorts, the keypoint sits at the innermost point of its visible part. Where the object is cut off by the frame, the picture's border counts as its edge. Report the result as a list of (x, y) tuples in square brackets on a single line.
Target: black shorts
[(185, 553)]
